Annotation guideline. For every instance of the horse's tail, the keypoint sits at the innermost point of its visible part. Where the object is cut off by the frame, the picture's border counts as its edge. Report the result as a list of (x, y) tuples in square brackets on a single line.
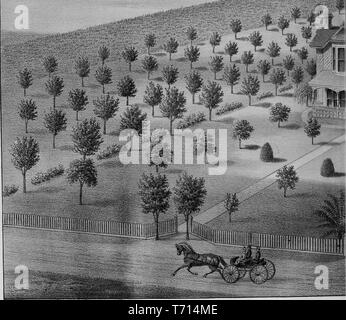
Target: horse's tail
[(223, 262)]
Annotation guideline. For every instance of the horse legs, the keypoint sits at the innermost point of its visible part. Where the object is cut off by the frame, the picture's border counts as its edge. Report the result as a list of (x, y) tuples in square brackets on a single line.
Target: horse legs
[(181, 267), (194, 273), (213, 269)]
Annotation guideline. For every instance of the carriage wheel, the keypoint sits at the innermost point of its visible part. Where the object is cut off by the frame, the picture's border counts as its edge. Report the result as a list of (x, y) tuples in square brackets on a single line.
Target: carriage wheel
[(230, 274), (242, 273), (270, 268), (259, 274)]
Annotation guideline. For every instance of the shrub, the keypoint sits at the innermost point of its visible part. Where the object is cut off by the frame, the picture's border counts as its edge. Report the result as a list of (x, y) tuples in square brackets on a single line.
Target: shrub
[(327, 168), (191, 120), (41, 177), (109, 152), (9, 190), (286, 88), (266, 153), (264, 95), (229, 107)]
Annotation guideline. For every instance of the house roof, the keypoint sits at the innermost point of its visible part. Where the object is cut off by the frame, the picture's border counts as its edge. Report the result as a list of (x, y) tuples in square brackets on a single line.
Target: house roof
[(339, 36), (323, 36), (329, 79)]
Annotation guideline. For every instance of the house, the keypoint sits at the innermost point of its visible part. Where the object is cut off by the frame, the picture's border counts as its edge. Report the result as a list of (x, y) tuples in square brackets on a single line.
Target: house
[(329, 82)]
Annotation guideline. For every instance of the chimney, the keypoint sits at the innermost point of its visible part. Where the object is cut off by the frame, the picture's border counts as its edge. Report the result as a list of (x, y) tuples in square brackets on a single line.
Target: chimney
[(330, 21)]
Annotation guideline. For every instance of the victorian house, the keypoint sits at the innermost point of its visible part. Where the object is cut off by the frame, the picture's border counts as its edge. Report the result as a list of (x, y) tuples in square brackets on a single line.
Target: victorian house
[(329, 82)]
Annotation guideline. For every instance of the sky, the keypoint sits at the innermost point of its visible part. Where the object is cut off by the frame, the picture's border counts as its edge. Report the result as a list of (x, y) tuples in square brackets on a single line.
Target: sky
[(51, 16)]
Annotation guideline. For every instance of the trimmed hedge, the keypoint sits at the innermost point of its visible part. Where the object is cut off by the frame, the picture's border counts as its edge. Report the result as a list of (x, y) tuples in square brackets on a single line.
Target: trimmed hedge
[(41, 177), (9, 190), (109, 152), (191, 120), (264, 95), (327, 168), (286, 88), (267, 153), (229, 107)]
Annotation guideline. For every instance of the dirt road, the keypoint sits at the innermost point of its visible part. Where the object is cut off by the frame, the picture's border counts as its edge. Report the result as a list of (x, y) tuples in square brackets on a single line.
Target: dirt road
[(151, 263)]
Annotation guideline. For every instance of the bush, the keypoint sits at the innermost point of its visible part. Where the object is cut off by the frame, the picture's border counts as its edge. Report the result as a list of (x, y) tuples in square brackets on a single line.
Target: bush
[(109, 152), (327, 168), (266, 153), (9, 190), (286, 88), (191, 120), (41, 177), (264, 95), (229, 107)]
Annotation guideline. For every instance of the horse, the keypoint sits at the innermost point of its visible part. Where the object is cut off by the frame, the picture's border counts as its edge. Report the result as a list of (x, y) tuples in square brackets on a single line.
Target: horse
[(194, 259)]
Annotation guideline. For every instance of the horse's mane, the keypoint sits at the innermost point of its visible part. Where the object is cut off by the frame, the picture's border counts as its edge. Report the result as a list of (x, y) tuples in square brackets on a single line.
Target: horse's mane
[(186, 246)]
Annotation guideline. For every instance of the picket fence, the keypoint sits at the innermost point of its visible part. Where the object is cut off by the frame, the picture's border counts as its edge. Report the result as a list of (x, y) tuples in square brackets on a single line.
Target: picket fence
[(107, 227), (285, 242)]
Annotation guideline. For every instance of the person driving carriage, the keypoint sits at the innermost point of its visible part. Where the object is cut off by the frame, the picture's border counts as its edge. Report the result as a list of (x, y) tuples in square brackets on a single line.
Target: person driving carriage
[(258, 254), (246, 255)]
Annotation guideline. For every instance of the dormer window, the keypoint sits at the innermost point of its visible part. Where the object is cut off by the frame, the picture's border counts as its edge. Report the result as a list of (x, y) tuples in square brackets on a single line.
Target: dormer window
[(339, 59)]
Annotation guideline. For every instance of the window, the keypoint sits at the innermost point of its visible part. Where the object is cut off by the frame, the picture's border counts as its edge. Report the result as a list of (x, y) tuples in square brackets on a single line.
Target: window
[(342, 99), (341, 59), (333, 58), (332, 98)]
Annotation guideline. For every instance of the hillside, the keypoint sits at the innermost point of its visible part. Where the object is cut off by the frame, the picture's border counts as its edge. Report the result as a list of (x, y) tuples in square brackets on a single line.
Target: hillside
[(206, 18), (12, 37)]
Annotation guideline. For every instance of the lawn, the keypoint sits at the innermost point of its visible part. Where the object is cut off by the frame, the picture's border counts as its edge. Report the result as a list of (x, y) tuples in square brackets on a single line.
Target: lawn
[(116, 195)]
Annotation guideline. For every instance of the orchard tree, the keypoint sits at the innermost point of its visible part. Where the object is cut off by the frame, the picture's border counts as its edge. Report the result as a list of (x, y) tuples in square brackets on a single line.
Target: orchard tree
[(50, 64), (255, 39), (82, 68), (304, 93), (216, 64), (54, 87), (312, 129), (25, 79), (295, 14), (267, 20), (291, 40), (105, 108), (192, 54), (311, 67), (215, 40), (150, 41), (194, 83), (311, 18), (153, 95), (306, 33), (247, 58), (103, 76), (82, 171), (55, 121), (287, 178), (130, 55), (171, 46), (236, 27), (231, 49), (277, 78), (160, 155), (87, 137), (27, 111), (191, 34), (242, 131), (77, 99), (297, 75), (25, 154), (250, 86), (173, 106), (303, 54), (288, 63), (231, 204), (283, 24), (155, 194), (132, 119), (170, 74), (189, 196), (149, 64), (279, 113), (340, 4), (211, 96), (104, 54), (126, 87), (231, 75), (273, 50), (263, 67)]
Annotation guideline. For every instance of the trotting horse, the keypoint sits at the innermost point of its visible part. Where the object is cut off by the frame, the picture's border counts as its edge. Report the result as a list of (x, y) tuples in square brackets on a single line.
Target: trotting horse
[(194, 259)]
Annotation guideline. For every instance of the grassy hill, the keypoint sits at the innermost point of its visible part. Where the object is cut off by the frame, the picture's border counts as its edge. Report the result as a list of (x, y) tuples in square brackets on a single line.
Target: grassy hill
[(206, 18), (16, 37)]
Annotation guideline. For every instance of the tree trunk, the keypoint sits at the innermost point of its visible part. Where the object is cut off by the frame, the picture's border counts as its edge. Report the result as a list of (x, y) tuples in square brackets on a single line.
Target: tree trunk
[(156, 218), (263, 77), (53, 141), (54, 102), (170, 56), (278, 124), (171, 126), (230, 217), (103, 88), (282, 31), (149, 51), (191, 43), (266, 27), (152, 110), (24, 182), (190, 65), (230, 58), (255, 48), (312, 140), (214, 75), (148, 76), (276, 90), (80, 193), (249, 99), (290, 49), (239, 143), (76, 115), (103, 62), (213, 49), (26, 126), (82, 81), (232, 88), (193, 98), (235, 36), (285, 192), (24, 92), (130, 66), (104, 126), (187, 227), (157, 168), (127, 101), (307, 101), (210, 114), (247, 68)]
